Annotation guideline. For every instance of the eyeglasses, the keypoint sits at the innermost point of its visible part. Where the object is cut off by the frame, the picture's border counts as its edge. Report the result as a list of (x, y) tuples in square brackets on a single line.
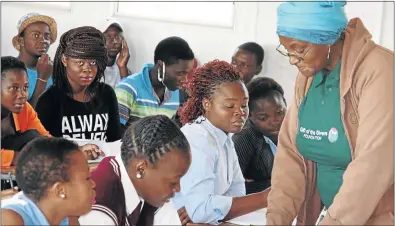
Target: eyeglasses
[(288, 54), (117, 38)]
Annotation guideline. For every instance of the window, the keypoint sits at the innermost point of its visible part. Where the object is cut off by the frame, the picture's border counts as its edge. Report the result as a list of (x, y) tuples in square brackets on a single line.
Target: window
[(203, 13), (48, 3)]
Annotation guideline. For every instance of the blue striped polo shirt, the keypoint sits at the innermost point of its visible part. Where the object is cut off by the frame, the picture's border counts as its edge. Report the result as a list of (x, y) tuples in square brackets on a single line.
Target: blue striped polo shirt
[(137, 98)]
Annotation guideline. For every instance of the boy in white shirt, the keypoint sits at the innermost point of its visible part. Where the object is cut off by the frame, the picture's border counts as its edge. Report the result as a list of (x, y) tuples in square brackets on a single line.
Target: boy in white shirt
[(118, 52)]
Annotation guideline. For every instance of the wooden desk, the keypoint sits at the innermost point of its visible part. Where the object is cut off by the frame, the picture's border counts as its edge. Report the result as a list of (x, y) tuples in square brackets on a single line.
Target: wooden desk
[(9, 172)]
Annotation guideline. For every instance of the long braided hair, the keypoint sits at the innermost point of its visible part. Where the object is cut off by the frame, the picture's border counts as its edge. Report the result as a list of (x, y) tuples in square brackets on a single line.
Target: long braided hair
[(152, 137), (203, 83), (83, 43)]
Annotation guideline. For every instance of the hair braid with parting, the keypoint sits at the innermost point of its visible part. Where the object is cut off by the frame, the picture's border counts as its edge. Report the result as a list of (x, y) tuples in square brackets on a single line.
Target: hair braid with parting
[(203, 83)]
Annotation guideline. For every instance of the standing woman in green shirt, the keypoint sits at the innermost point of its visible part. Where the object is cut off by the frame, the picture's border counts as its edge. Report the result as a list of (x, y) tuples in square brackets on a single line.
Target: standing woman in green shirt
[(335, 147)]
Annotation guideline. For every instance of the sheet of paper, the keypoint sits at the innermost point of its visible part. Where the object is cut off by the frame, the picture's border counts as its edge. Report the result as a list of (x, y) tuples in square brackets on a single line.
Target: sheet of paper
[(167, 215), (113, 148), (255, 218)]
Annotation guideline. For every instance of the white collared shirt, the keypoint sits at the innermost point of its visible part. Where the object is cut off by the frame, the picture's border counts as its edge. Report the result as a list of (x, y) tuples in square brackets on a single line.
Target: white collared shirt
[(112, 75), (166, 215), (214, 177)]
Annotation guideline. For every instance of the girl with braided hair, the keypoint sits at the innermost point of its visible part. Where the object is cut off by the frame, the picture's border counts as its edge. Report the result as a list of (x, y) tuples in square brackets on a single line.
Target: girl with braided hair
[(78, 105), (213, 189), (145, 175), (254, 146)]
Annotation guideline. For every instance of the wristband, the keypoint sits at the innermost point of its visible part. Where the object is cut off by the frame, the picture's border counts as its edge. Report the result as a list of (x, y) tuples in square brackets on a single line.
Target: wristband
[(42, 80)]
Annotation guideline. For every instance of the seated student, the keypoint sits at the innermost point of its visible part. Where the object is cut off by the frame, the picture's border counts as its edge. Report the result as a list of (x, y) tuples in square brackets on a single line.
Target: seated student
[(254, 148), (213, 189), (78, 105), (144, 176), (183, 95), (154, 90), (35, 35), (55, 181), (117, 53), (248, 59), (19, 121)]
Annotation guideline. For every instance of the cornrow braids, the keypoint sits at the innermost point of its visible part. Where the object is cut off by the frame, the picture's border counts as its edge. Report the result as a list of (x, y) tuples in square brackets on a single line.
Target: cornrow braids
[(43, 162), (152, 137), (83, 43), (203, 83), (263, 87)]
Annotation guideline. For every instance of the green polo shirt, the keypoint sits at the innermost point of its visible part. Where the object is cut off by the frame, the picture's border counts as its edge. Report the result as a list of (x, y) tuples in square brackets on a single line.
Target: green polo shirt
[(321, 137)]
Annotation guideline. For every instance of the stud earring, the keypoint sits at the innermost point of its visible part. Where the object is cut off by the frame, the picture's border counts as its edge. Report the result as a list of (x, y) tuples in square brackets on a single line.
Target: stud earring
[(63, 196), (138, 175)]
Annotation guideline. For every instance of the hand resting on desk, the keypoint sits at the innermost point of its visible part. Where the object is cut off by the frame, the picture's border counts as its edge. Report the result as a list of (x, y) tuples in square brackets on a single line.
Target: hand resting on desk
[(91, 151)]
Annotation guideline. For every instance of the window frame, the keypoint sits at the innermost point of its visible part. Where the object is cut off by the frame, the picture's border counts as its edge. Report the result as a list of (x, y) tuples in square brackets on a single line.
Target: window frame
[(228, 24)]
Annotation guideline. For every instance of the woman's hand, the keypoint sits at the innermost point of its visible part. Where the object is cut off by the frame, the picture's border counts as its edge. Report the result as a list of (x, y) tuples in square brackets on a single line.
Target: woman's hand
[(91, 151)]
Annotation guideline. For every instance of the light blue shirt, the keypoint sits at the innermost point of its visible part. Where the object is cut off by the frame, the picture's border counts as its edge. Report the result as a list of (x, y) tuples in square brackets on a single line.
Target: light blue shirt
[(33, 76), (28, 210), (273, 147), (214, 177)]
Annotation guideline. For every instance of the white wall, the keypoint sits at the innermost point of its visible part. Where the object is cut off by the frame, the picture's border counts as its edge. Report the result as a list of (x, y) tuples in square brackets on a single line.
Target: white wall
[(254, 21)]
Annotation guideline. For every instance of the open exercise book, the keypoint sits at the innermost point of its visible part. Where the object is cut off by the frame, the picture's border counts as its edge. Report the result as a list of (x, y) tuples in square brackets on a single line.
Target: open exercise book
[(255, 218), (109, 148)]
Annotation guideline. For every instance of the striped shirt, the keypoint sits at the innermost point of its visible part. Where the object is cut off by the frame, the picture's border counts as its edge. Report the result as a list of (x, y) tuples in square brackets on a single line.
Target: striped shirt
[(137, 98), (255, 157)]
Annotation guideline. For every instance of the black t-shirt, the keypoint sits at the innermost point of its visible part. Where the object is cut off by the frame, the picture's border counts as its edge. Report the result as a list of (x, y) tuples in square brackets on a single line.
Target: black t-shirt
[(65, 117)]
